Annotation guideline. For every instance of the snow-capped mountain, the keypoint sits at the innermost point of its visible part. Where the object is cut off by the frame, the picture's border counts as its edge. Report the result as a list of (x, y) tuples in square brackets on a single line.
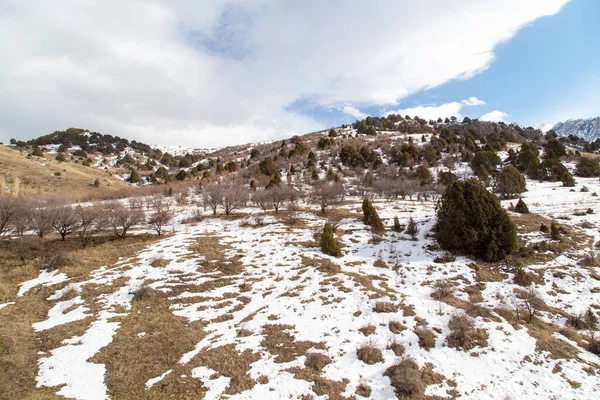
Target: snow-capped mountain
[(588, 129)]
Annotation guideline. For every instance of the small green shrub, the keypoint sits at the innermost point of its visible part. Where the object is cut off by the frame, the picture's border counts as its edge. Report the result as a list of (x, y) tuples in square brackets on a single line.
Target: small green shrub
[(328, 244)]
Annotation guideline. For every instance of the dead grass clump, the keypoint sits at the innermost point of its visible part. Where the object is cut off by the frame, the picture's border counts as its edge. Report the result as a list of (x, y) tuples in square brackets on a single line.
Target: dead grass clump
[(396, 327), (327, 266), (594, 345), (56, 260), (384, 307), (380, 263), (446, 258), (462, 330), (442, 289), (232, 364), (363, 390), (396, 347), (406, 378), (369, 354), (316, 361), (145, 292), (584, 320), (367, 329), (332, 389), (426, 337), (159, 262)]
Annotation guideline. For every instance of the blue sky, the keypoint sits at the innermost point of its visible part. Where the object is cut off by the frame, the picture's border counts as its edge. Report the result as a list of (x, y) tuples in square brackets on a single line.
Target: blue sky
[(225, 72), (548, 72)]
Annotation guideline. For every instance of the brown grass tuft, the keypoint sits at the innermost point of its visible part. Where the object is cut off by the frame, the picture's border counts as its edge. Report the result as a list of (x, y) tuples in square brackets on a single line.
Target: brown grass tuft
[(316, 361), (426, 337), (406, 378), (384, 307), (369, 354)]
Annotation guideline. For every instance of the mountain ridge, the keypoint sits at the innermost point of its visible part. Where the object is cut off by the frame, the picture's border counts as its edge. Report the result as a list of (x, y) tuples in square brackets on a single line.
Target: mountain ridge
[(585, 128)]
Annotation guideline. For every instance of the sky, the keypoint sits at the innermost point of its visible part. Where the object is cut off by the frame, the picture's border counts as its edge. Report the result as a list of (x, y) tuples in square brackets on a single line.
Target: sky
[(223, 72)]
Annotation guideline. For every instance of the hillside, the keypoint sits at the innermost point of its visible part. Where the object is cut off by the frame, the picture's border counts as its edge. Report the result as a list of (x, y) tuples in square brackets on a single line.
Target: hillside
[(218, 285), (587, 129), (46, 176)]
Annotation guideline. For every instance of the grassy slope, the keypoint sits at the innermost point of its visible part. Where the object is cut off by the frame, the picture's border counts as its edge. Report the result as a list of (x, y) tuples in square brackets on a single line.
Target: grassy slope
[(37, 175)]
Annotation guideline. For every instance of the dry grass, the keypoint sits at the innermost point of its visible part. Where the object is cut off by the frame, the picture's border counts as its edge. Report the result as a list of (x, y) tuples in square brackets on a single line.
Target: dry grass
[(213, 252), (369, 354), (75, 180), (396, 327), (317, 361), (167, 337), (426, 337), (283, 345), (368, 329), (405, 377), (363, 390), (384, 307), (396, 347), (329, 388), (463, 334)]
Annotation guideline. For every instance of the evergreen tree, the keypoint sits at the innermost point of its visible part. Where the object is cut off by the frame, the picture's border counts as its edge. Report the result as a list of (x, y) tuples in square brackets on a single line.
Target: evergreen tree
[(371, 217), (510, 182), (397, 226), (587, 167), (471, 220), (134, 177), (412, 229), (521, 207), (328, 244)]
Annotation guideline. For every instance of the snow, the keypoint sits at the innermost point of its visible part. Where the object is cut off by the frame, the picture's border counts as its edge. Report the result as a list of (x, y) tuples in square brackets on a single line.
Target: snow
[(153, 381), (6, 304), (45, 278), (57, 316), (68, 365)]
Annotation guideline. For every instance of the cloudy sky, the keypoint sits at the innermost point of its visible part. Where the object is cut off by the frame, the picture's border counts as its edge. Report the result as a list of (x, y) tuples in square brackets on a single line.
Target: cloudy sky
[(219, 72)]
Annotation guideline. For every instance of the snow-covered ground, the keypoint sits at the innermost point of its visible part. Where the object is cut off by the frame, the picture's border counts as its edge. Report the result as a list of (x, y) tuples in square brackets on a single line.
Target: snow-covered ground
[(284, 286)]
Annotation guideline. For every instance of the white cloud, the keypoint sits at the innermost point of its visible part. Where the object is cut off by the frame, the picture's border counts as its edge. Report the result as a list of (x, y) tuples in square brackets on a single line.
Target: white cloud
[(179, 71), (432, 112), (494, 116), (473, 101), (355, 112)]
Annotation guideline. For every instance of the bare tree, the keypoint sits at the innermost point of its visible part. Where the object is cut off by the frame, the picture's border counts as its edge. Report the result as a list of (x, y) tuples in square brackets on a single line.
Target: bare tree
[(121, 218), (91, 222), (326, 194), (235, 196), (262, 199), (39, 219), (532, 302), (212, 197), (65, 220), (9, 211), (161, 217)]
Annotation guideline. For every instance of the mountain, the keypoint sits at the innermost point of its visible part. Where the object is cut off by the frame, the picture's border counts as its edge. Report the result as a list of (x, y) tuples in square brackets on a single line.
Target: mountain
[(588, 129)]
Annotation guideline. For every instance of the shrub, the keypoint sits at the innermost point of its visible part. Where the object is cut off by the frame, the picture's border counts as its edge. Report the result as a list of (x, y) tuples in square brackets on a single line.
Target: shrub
[(145, 292), (510, 182), (554, 231), (405, 377), (587, 167), (470, 219), (426, 337), (369, 354), (594, 345), (371, 217), (57, 260), (488, 159), (522, 278), (397, 227), (412, 229), (544, 228), (134, 177), (328, 244), (461, 330), (521, 207)]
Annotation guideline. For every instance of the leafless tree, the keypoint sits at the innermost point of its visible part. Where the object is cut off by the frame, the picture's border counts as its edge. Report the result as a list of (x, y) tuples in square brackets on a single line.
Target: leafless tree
[(39, 219), (161, 217), (9, 211), (121, 218), (262, 199), (212, 197), (65, 220), (327, 194), (532, 302), (235, 196), (136, 203), (91, 222)]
